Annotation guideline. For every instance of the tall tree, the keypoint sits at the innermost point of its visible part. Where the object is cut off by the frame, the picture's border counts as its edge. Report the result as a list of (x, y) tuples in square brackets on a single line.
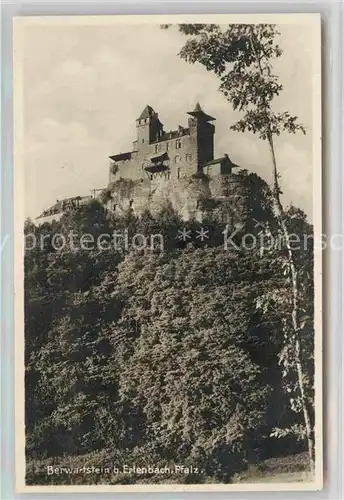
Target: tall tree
[(241, 56)]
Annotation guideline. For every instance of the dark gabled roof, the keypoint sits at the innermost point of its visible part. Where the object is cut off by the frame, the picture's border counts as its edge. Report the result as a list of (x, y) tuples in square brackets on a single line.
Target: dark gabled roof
[(159, 156), (155, 168), (214, 162), (121, 156), (219, 160), (199, 113), (146, 113)]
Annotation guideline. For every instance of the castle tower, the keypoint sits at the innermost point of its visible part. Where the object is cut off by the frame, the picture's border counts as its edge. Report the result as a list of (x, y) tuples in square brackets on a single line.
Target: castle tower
[(203, 132), (149, 128)]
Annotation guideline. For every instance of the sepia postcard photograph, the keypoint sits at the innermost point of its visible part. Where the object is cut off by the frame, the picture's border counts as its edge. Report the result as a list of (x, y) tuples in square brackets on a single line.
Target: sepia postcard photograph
[(168, 294)]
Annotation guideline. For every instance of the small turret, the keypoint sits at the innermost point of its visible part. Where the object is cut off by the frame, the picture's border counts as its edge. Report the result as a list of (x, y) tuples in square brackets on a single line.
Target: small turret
[(149, 127), (200, 114), (148, 112)]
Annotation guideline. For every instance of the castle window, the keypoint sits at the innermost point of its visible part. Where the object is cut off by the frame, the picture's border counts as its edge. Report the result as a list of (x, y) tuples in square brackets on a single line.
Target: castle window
[(166, 146), (143, 141), (188, 158), (177, 159), (178, 144), (156, 148), (178, 173)]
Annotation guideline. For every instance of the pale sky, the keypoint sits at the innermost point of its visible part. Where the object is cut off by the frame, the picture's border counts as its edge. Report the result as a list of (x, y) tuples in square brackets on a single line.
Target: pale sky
[(84, 87)]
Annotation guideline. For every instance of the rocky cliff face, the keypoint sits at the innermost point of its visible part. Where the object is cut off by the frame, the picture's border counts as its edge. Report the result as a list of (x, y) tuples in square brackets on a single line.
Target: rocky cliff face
[(231, 198), (237, 199)]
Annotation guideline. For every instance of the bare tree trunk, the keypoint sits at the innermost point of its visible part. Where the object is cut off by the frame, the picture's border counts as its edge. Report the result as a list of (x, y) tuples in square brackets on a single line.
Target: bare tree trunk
[(293, 272), (295, 307)]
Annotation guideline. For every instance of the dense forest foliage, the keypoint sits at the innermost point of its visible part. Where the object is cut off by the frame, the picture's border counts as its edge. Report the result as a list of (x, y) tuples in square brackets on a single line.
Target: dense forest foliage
[(161, 357)]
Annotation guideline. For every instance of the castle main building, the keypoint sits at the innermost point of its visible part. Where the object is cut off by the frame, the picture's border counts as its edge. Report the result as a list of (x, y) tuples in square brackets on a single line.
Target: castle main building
[(159, 156), (171, 155)]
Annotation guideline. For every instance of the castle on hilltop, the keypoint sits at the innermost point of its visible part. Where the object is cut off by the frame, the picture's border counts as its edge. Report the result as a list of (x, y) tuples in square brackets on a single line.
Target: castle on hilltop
[(170, 155), (164, 167)]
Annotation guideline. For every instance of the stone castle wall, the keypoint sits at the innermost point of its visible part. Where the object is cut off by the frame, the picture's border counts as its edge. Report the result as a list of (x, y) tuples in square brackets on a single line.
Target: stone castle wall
[(182, 153), (222, 197)]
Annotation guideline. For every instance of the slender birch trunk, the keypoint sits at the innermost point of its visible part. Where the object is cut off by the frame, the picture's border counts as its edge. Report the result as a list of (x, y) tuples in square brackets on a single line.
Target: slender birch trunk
[(293, 272), (295, 305)]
